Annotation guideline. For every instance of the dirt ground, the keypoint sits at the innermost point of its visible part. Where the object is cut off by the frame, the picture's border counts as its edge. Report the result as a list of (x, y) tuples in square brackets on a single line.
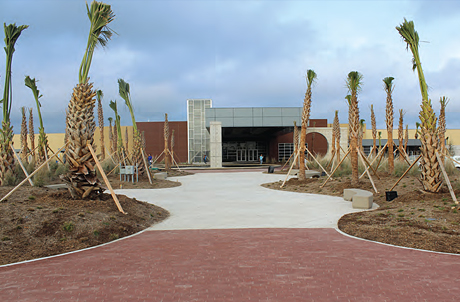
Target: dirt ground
[(414, 219), (38, 222)]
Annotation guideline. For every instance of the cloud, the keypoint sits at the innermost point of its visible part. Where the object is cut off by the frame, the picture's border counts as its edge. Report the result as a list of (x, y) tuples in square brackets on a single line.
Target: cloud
[(239, 53)]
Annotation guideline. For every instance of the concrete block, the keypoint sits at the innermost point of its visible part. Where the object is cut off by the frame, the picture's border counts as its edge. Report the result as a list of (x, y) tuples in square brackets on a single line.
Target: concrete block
[(348, 194), (294, 172), (161, 175), (312, 174), (363, 201)]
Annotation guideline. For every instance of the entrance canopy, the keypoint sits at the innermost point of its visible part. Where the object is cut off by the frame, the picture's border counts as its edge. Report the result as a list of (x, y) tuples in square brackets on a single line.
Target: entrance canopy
[(259, 117)]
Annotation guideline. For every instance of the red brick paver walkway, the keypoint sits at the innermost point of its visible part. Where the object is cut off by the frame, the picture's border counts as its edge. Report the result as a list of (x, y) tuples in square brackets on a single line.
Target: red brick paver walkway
[(237, 265)]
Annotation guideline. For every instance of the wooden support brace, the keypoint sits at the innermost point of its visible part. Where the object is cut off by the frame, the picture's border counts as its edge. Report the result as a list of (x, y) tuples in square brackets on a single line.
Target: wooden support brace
[(56, 156), (379, 157), (158, 157), (368, 174), (106, 180), (22, 166), (408, 169), (146, 166), (317, 162), (32, 174), (341, 161), (287, 161), (292, 165), (369, 165), (446, 178), (46, 156), (174, 161)]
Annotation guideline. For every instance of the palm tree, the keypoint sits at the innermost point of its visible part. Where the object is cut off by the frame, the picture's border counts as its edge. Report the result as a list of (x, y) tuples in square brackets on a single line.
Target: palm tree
[(354, 83), (24, 147), (82, 179), (32, 134), (337, 134), (172, 146), (333, 140), (350, 117), (118, 138), (123, 89), (406, 138), (126, 140), (389, 118), (431, 172), (12, 33), (361, 134), (311, 77), (296, 143), (110, 136), (100, 117), (42, 137), (442, 125), (374, 132), (166, 138), (400, 134)]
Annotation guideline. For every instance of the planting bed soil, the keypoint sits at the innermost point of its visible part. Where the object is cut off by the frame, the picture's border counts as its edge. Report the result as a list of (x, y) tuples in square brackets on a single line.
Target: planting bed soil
[(414, 219), (38, 222)]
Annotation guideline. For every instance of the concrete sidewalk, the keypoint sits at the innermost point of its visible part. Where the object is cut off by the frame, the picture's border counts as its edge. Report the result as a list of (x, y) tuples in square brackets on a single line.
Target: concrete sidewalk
[(236, 200)]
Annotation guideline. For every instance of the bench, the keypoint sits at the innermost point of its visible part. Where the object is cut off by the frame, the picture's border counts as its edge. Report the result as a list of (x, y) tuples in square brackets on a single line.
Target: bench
[(127, 171), (361, 199)]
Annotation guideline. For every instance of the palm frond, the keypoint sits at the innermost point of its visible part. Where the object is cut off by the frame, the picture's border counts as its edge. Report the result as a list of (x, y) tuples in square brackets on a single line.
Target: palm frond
[(99, 95), (388, 84), (12, 33), (410, 36), (31, 83), (100, 15), (123, 89), (311, 77), (354, 81)]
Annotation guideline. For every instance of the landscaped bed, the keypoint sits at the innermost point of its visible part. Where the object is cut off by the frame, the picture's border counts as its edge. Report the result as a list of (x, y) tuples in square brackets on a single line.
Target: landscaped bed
[(414, 219), (38, 222)]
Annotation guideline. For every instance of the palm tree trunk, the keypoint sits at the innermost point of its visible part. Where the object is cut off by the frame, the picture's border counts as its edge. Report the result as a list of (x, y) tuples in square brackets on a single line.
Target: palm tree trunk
[(374, 132), (6, 154), (389, 122), (100, 115), (354, 139), (82, 179), (32, 135), (303, 133), (24, 145), (337, 134), (166, 138), (296, 145), (400, 134)]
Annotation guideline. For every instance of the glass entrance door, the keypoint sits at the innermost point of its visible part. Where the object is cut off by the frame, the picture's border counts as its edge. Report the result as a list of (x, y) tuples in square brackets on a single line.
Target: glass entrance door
[(241, 155), (252, 155)]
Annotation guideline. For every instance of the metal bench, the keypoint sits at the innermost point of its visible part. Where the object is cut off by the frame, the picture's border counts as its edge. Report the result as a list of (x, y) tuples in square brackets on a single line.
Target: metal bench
[(127, 171)]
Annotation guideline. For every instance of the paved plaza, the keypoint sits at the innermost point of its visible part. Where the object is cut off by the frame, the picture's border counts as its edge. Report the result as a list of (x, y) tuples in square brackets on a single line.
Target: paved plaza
[(229, 239)]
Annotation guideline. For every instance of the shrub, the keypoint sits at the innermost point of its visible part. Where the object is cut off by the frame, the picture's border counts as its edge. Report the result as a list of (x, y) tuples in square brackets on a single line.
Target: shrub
[(10, 179), (107, 165), (41, 178), (61, 169)]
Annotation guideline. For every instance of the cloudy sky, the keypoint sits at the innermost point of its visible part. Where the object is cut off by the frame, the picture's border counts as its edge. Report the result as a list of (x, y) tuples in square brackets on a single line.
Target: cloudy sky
[(237, 53)]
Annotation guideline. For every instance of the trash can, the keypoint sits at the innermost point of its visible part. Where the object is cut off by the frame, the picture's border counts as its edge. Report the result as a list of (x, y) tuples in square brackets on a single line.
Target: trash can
[(271, 169)]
